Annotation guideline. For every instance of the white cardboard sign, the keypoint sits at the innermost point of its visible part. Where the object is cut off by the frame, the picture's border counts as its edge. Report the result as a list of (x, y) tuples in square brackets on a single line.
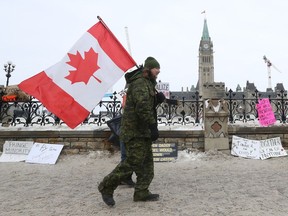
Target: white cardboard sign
[(257, 149), (164, 88), (15, 151), (44, 153), (271, 148)]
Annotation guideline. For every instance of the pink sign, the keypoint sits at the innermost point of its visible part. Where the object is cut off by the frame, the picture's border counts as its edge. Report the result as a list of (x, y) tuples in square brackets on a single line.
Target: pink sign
[(265, 112)]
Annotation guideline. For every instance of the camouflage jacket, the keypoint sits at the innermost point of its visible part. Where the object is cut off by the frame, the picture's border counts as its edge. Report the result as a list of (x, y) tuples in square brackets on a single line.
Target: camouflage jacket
[(140, 108)]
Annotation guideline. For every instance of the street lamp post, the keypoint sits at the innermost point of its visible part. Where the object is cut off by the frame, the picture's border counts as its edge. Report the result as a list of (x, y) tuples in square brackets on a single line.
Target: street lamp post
[(9, 68)]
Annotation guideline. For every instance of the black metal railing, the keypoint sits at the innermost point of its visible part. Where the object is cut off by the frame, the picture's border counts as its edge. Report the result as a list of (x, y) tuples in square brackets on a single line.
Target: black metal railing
[(184, 113), (242, 108), (33, 113)]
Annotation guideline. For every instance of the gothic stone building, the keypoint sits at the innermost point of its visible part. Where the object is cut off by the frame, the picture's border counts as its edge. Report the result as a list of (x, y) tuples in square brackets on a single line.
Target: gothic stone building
[(206, 86)]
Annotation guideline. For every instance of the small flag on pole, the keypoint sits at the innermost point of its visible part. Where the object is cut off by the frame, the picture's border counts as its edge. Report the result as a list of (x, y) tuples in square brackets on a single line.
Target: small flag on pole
[(74, 86)]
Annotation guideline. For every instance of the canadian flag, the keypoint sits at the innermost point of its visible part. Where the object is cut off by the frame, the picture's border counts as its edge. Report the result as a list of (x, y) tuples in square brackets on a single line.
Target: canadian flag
[(74, 86)]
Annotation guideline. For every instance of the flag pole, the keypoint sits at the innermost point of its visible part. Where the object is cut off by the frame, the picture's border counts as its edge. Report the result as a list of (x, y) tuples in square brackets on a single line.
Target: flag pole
[(103, 23), (204, 12)]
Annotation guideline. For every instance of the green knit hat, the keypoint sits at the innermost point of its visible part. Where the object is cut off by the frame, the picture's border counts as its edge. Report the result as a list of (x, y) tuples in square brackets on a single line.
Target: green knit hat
[(151, 62)]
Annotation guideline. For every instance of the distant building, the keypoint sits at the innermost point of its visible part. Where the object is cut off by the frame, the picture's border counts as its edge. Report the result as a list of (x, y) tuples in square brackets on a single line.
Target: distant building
[(249, 91), (206, 86)]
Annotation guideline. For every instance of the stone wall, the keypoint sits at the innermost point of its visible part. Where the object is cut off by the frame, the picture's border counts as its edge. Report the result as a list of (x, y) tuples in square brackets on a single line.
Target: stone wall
[(77, 142), (260, 133), (74, 141)]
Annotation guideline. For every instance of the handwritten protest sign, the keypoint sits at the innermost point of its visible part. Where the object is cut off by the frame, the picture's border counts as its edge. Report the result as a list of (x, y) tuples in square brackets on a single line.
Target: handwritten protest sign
[(265, 112), (257, 149), (44, 153), (15, 151), (164, 152), (164, 88), (271, 148), (245, 148)]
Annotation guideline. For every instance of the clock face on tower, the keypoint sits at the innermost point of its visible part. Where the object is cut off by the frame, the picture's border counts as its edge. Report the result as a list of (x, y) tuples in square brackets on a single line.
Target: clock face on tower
[(206, 46)]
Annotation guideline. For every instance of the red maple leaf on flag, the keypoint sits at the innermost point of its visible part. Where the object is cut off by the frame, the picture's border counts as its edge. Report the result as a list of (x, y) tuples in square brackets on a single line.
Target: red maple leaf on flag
[(84, 67)]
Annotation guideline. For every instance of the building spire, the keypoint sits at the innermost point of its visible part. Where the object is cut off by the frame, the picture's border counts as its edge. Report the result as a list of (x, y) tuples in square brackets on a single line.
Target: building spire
[(205, 33)]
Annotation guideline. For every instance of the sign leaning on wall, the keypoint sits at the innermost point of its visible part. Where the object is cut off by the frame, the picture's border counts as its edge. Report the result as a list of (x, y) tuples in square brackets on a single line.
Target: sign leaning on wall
[(257, 149), (44, 153), (30, 152), (15, 151), (164, 152)]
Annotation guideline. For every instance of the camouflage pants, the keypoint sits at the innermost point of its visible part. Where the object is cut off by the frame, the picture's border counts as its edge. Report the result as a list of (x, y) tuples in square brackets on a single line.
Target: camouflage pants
[(139, 160)]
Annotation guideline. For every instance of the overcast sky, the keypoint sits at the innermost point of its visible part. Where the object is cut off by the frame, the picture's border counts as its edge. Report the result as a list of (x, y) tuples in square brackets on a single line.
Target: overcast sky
[(36, 34)]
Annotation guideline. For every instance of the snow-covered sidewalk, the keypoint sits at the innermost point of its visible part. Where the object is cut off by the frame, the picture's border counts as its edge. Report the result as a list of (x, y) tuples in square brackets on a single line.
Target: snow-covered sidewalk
[(208, 184)]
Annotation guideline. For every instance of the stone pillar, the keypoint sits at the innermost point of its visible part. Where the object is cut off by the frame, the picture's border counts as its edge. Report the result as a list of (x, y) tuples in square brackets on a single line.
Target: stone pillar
[(216, 125)]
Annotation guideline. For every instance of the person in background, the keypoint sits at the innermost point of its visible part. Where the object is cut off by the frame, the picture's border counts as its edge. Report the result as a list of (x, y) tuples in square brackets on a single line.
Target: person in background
[(138, 130), (128, 181)]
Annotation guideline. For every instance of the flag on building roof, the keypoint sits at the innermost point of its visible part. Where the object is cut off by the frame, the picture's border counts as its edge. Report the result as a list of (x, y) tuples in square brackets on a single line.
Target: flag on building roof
[(73, 87)]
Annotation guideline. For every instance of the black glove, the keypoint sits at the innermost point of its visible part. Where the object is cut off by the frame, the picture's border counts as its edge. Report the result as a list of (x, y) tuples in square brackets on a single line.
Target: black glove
[(154, 131), (160, 97)]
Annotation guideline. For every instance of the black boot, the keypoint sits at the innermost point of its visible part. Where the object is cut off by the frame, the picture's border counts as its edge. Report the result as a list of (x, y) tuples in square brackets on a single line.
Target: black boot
[(107, 198), (149, 197)]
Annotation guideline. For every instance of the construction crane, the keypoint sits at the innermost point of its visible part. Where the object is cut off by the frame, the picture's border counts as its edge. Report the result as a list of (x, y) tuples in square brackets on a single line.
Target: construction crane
[(269, 64)]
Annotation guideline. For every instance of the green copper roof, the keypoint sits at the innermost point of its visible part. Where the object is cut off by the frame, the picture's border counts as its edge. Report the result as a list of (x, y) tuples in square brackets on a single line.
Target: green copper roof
[(205, 34)]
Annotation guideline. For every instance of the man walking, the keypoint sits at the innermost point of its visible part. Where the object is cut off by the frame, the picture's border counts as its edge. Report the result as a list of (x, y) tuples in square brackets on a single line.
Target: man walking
[(138, 130)]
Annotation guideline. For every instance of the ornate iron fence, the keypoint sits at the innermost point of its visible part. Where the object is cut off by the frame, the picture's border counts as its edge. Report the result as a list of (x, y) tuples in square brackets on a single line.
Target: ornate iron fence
[(185, 112), (33, 113), (243, 108)]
